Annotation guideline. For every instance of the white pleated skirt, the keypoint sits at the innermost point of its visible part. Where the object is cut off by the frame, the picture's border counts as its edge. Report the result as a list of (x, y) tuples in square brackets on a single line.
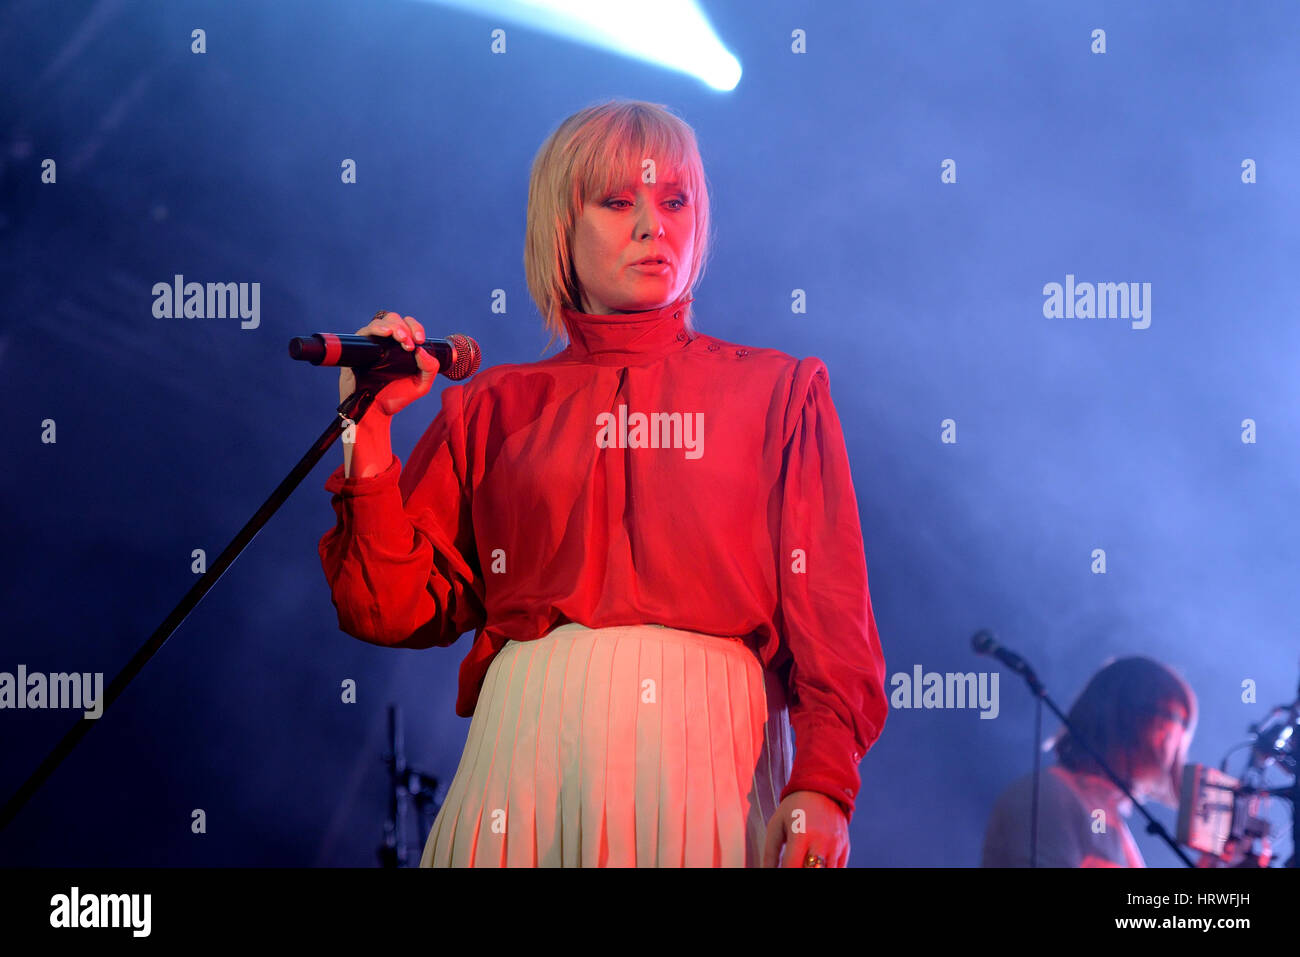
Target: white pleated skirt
[(633, 746)]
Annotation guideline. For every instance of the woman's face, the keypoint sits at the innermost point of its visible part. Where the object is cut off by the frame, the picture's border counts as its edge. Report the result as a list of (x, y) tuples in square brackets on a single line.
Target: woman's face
[(1166, 746), (616, 231)]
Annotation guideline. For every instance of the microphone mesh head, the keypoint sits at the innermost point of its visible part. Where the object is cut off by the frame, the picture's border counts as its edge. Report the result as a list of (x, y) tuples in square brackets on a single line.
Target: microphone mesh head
[(468, 356)]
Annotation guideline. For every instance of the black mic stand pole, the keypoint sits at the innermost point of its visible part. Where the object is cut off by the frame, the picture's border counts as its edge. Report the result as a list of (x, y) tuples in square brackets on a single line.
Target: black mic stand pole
[(394, 850), (406, 785), (1153, 826), (353, 408)]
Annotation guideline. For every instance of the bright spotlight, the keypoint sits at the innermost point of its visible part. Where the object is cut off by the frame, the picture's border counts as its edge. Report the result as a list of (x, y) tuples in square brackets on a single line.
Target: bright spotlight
[(671, 33)]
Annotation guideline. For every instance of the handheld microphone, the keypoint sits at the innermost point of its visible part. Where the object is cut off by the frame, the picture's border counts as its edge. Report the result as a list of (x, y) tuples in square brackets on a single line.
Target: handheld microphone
[(458, 355), (984, 643)]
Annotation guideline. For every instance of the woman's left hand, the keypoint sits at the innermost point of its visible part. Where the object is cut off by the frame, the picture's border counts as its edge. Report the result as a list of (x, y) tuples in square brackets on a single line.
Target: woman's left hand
[(807, 822)]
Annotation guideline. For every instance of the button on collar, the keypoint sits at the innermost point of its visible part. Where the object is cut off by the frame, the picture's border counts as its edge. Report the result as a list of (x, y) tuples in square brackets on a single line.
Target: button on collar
[(623, 339)]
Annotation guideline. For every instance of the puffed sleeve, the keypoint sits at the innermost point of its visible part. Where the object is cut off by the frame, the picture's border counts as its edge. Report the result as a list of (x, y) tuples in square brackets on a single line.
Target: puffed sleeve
[(401, 560), (837, 691)]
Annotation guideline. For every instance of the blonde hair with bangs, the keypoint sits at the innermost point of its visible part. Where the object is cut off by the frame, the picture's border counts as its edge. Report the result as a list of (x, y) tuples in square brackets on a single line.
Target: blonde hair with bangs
[(585, 159)]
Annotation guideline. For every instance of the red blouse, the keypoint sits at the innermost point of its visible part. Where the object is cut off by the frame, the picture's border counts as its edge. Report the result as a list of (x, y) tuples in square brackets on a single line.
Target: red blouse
[(554, 491)]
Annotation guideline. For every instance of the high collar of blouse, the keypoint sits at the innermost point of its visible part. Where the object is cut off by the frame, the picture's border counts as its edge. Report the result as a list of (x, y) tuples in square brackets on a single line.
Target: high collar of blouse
[(628, 338)]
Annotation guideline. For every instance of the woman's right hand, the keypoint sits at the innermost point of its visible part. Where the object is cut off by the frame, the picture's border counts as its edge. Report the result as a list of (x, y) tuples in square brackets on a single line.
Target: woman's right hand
[(397, 394)]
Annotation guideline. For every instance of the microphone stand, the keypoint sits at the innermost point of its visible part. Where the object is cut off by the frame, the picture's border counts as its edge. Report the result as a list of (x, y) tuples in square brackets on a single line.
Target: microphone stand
[(352, 408), (1153, 826), (393, 850), (405, 784)]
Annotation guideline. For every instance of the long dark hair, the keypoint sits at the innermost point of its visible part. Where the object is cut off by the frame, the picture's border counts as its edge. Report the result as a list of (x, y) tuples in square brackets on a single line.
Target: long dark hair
[(1114, 710)]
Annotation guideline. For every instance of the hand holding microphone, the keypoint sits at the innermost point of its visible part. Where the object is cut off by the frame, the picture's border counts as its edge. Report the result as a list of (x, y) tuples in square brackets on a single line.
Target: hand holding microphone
[(401, 392), (398, 375), (404, 358)]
